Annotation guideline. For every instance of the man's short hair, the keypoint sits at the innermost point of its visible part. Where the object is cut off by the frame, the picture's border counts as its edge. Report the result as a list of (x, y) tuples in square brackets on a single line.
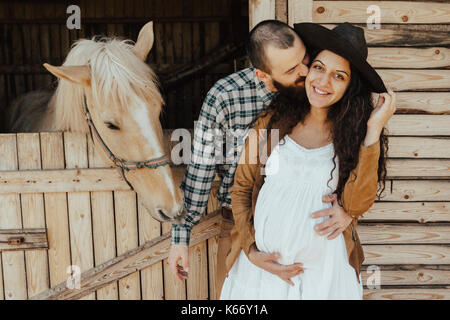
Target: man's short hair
[(268, 32)]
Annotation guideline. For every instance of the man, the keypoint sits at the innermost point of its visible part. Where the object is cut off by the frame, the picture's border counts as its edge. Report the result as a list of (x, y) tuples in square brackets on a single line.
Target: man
[(280, 62)]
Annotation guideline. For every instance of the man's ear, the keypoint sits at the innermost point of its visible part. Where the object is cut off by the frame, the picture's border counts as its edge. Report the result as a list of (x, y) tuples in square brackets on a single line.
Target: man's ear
[(266, 78), (76, 74)]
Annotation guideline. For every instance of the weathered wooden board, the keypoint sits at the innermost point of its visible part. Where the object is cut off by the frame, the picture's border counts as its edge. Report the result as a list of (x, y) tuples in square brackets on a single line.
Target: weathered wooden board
[(13, 262), (410, 79), (419, 147), (403, 275), (409, 58), (34, 238), (418, 169), (408, 212), (423, 102), (403, 234), (419, 125), (259, 11), (431, 293), (33, 213), (406, 254), (419, 190), (390, 12), (394, 35)]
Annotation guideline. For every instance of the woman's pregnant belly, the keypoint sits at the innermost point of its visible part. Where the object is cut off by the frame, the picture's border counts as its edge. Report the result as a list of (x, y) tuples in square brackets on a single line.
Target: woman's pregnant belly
[(283, 222)]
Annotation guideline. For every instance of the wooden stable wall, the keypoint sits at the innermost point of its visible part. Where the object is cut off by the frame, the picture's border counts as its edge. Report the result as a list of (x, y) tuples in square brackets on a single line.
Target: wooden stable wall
[(407, 233), (51, 180), (34, 31)]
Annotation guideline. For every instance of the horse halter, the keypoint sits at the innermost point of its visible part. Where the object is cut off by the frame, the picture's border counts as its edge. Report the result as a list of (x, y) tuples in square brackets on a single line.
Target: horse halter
[(119, 163)]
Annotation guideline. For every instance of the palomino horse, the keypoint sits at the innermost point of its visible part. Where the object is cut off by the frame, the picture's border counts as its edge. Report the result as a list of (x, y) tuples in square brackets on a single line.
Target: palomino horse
[(108, 82)]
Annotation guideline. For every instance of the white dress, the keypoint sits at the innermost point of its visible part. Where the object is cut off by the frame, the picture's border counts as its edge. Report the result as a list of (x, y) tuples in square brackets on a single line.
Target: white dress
[(296, 179)]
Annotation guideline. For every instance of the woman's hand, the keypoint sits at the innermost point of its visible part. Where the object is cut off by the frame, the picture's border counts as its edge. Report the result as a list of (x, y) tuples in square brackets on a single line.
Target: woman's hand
[(266, 261), (380, 115)]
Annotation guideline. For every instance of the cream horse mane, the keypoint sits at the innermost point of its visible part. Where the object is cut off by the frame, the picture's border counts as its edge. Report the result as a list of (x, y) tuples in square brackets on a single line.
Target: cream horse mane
[(117, 76)]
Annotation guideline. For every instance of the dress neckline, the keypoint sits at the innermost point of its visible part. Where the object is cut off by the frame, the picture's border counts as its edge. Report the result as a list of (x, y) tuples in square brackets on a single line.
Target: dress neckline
[(309, 150)]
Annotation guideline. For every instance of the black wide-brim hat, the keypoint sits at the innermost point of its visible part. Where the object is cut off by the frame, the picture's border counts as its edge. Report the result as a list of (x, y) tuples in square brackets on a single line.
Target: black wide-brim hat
[(346, 40)]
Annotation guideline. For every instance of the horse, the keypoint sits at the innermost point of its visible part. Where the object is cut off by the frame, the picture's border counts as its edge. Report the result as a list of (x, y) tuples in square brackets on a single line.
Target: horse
[(105, 89)]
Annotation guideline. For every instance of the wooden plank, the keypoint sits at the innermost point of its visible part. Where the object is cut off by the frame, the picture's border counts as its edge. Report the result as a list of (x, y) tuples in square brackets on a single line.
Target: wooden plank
[(146, 255), (79, 207), (300, 11), (34, 238), (68, 180), (404, 79), (13, 263), (259, 11), (408, 212), (52, 152), (419, 147), (103, 227), (408, 58), (403, 234), (431, 293), (402, 275), (418, 169), (419, 125), (33, 213), (152, 283), (127, 239), (394, 35), (423, 102), (391, 12), (406, 254), (419, 190), (281, 12)]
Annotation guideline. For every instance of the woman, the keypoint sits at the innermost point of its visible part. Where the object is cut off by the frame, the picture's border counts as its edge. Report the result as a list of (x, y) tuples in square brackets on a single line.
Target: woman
[(333, 142)]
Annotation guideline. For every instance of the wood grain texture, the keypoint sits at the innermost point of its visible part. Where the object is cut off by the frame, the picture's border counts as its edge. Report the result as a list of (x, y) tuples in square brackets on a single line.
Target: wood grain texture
[(403, 275), (391, 12), (403, 234), (103, 227), (418, 169), (33, 214), (422, 212), (52, 148), (13, 263), (406, 254), (79, 207), (260, 10), (141, 257), (32, 238), (408, 58), (408, 294), (419, 125), (300, 11)]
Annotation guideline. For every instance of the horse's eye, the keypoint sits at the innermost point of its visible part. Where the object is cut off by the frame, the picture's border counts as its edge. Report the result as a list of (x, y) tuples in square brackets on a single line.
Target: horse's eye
[(112, 126)]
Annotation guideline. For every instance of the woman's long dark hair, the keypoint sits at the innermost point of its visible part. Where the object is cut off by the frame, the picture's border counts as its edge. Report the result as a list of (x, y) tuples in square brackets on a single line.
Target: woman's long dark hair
[(348, 118)]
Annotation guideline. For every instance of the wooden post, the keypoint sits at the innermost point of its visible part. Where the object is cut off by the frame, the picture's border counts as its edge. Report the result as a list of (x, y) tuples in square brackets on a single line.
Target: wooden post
[(260, 10), (299, 11)]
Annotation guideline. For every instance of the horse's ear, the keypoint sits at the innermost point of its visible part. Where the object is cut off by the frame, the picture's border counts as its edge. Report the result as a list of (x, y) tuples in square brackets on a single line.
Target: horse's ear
[(76, 74), (144, 41)]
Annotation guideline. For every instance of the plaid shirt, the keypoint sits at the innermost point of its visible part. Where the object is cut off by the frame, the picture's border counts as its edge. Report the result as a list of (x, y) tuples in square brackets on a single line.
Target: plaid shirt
[(229, 108)]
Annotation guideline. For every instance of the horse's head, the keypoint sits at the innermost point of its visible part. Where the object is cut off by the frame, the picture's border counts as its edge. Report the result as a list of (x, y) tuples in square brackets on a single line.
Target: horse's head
[(122, 95)]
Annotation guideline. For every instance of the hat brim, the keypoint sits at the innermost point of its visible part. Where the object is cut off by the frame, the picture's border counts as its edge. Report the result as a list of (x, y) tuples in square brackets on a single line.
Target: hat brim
[(316, 36)]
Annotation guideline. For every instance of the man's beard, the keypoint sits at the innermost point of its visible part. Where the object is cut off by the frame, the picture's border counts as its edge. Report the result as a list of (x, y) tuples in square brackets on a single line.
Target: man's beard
[(294, 92)]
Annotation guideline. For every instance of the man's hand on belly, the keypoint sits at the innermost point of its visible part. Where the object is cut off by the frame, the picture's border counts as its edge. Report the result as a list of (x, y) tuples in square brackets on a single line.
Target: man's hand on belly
[(338, 221), (266, 262)]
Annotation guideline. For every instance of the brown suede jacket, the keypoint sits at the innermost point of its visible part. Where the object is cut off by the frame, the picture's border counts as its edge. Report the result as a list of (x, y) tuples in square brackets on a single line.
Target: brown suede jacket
[(358, 195)]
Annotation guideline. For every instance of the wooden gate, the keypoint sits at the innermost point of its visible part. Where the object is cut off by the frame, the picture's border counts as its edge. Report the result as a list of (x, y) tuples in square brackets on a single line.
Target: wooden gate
[(58, 182)]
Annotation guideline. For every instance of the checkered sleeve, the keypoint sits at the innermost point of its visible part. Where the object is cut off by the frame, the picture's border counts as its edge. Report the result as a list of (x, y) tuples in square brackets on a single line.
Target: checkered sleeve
[(201, 169)]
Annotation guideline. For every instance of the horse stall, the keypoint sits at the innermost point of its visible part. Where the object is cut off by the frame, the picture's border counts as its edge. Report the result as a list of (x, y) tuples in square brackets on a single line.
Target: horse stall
[(71, 227)]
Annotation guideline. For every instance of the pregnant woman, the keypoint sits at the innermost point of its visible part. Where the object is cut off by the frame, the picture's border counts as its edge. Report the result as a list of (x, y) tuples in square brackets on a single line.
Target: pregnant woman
[(331, 142)]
